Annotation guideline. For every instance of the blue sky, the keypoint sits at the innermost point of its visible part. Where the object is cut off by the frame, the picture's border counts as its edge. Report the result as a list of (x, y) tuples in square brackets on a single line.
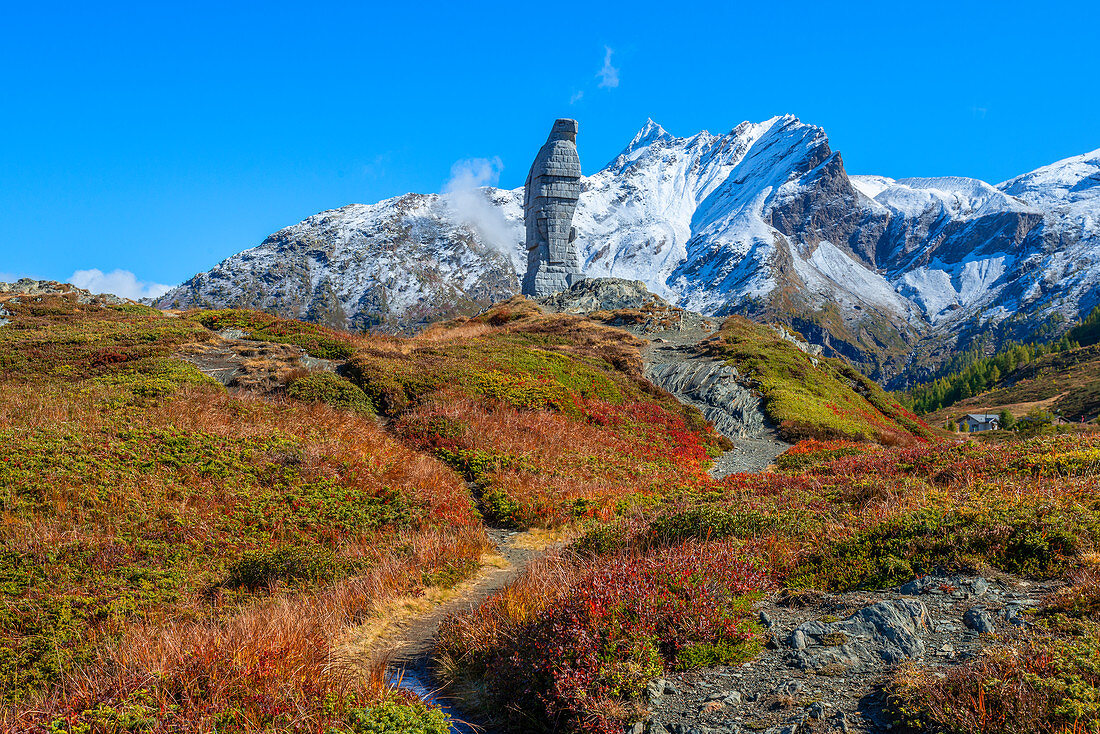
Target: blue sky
[(159, 138)]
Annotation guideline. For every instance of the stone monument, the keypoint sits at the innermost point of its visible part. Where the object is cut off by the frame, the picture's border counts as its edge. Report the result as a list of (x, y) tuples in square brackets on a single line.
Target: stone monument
[(549, 200)]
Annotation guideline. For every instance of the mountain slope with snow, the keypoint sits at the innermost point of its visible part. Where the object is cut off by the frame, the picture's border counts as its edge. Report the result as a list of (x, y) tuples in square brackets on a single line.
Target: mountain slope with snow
[(763, 220)]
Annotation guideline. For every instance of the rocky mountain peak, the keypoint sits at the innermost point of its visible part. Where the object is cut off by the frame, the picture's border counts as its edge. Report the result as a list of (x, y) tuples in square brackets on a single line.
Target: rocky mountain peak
[(649, 134)]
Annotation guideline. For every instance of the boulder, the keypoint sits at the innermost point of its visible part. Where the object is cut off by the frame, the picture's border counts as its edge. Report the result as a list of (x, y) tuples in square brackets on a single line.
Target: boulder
[(604, 294), (979, 620), (885, 633)]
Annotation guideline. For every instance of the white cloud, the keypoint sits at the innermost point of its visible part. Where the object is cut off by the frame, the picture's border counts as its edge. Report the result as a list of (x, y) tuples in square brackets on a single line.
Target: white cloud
[(465, 195), (119, 282), (609, 75), (577, 96)]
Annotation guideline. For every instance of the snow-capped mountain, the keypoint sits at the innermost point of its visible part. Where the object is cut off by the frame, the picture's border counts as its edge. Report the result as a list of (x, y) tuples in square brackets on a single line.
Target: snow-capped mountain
[(763, 220)]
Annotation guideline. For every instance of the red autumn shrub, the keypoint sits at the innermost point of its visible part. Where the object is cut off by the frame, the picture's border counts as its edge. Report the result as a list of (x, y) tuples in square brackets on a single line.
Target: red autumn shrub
[(582, 662)]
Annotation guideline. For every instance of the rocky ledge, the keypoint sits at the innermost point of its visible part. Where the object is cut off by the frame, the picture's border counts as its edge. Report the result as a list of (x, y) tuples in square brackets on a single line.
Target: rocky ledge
[(828, 657), (30, 287)]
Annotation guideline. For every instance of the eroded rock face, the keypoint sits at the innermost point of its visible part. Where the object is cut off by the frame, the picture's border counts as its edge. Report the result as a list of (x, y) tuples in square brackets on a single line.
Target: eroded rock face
[(712, 386)]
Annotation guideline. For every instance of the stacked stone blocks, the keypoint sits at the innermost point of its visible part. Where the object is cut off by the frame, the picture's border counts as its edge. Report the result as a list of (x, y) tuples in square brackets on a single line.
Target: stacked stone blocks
[(549, 201)]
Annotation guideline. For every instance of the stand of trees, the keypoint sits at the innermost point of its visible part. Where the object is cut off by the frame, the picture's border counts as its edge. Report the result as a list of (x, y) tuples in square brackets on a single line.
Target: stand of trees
[(976, 373), (1087, 332)]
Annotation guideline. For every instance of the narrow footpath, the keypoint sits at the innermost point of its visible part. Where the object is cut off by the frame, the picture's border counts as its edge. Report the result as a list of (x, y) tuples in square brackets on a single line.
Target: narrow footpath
[(406, 644)]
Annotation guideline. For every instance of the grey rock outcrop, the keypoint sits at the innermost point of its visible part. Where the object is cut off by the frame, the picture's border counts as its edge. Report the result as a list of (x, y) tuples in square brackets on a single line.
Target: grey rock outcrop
[(885, 633), (549, 200), (31, 287), (605, 294), (978, 619), (712, 386)]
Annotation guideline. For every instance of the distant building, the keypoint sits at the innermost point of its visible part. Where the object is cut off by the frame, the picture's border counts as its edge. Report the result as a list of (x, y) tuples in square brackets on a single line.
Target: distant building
[(981, 421)]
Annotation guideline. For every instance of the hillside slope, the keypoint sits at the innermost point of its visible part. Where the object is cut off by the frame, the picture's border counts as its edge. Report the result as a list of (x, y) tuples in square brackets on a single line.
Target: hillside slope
[(1064, 383), (185, 553), (808, 396), (180, 550)]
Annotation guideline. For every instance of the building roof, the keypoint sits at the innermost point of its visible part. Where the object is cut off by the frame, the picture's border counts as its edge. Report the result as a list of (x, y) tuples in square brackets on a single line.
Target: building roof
[(984, 417)]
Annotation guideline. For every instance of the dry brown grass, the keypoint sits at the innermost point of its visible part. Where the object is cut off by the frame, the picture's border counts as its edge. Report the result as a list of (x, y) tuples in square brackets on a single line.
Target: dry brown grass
[(289, 649)]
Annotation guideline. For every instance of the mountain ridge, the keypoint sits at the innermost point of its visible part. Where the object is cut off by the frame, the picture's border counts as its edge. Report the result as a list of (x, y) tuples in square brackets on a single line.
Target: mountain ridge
[(763, 220)]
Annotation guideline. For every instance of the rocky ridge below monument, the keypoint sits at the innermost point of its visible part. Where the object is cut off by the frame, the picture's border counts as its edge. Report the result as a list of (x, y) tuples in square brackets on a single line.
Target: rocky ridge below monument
[(32, 287), (678, 361)]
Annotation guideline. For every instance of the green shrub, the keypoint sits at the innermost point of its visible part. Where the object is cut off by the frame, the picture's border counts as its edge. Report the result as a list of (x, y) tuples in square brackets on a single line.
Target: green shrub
[(40, 641), (714, 523), (721, 652), (1021, 539), (502, 508), (398, 717), (703, 523), (136, 712), (1037, 421), (326, 387), (292, 563), (317, 341), (157, 377), (603, 540)]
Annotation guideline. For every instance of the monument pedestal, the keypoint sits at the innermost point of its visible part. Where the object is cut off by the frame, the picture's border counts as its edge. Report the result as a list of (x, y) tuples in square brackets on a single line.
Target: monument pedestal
[(549, 279)]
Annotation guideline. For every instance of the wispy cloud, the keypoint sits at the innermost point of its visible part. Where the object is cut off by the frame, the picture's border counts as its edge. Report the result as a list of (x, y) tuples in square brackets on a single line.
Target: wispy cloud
[(979, 112), (577, 96), (608, 75), (376, 166), (465, 195), (119, 282)]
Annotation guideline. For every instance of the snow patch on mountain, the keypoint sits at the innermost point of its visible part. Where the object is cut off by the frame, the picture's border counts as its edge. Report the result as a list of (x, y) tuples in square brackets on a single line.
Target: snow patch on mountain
[(954, 196), (833, 274)]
